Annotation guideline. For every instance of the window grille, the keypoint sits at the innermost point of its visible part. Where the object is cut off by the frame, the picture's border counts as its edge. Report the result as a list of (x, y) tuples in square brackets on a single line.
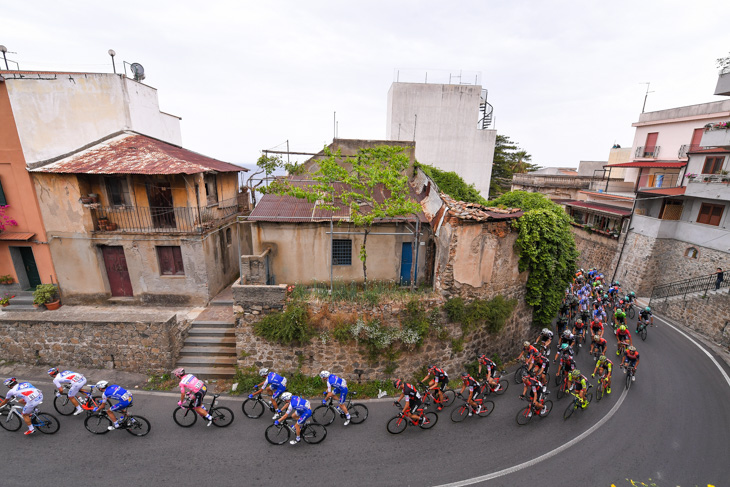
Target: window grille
[(341, 252)]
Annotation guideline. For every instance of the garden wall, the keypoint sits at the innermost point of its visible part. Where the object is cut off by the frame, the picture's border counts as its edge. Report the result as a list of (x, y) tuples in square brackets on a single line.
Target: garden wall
[(596, 250)]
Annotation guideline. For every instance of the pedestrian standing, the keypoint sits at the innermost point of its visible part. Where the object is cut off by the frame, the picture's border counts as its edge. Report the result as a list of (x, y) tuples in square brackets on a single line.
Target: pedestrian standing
[(719, 279)]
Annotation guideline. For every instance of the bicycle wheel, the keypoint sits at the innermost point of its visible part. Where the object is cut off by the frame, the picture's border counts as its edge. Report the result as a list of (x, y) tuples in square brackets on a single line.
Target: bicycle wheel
[(503, 385), (642, 333), (253, 408), (10, 422), (520, 373), (460, 413), (277, 434), (628, 380), (63, 405), (324, 415), (397, 425), (358, 413), (314, 433), (524, 416), (561, 392), (184, 417), (589, 397), (485, 389), (599, 391), (549, 406), (487, 408), (431, 420), (449, 396), (46, 423), (558, 376), (222, 416), (97, 423), (631, 312), (569, 410), (138, 426)]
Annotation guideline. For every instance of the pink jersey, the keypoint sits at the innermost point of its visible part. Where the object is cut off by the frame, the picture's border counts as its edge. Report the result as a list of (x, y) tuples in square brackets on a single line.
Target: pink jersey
[(191, 383)]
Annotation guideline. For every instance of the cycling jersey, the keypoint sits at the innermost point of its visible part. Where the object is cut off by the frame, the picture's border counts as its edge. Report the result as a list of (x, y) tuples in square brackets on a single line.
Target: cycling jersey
[(487, 363), (580, 383), (546, 336), (276, 382), (623, 335), (645, 315), (302, 408), (190, 384), (119, 394), (529, 351), (632, 356), (470, 382), (438, 374), (596, 326), (567, 339), (579, 325), (542, 362), (25, 392), (411, 394), (602, 343), (605, 364), (338, 385), (76, 381), (568, 362)]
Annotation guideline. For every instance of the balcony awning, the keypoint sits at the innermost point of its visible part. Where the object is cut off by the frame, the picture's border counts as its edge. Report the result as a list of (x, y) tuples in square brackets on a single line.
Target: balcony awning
[(665, 191), (22, 236), (599, 208), (662, 164)]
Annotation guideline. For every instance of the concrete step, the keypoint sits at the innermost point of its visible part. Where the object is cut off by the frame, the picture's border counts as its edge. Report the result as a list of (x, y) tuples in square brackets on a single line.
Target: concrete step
[(211, 332), (207, 351), (211, 372), (201, 361), (21, 307), (205, 341), (222, 302), (213, 324), (22, 300)]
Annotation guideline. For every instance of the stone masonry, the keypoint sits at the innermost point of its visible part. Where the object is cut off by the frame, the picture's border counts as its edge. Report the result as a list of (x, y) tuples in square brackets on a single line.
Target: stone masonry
[(709, 316), (596, 250)]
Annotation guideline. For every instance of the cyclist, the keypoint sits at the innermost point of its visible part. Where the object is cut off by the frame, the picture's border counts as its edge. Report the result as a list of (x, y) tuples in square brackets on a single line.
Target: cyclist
[(646, 316), (528, 351), (473, 385), (273, 384), (545, 338), (336, 385), (191, 385), (122, 396), (631, 359), (578, 382), (620, 316), (491, 367), (584, 306), (413, 400), (535, 388), (624, 338), (298, 408), (542, 368), (27, 394), (567, 337), (598, 311), (567, 362), (631, 297), (606, 367), (562, 323), (597, 328), (573, 303), (439, 382), (76, 381), (579, 329), (599, 344)]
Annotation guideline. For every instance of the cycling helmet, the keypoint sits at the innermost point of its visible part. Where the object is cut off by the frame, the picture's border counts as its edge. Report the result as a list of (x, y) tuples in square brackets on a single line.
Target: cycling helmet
[(179, 372), (53, 371), (564, 346), (575, 374), (101, 385), (545, 331), (286, 397), (398, 384), (465, 374), (632, 293), (324, 374), (525, 344), (602, 358), (647, 309), (263, 372), (622, 327), (566, 333), (632, 348), (596, 337), (579, 320), (10, 382)]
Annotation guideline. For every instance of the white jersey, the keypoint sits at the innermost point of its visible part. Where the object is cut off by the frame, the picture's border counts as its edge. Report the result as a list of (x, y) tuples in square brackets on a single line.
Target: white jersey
[(68, 377), (25, 392)]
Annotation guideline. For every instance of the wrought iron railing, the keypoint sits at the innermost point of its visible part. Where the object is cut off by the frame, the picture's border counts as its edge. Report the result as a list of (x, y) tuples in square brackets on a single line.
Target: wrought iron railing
[(646, 152), (689, 286), (659, 180), (143, 219)]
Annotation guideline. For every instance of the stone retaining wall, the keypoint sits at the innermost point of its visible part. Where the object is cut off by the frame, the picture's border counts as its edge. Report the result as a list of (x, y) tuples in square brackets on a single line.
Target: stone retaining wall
[(596, 250), (142, 347), (709, 316)]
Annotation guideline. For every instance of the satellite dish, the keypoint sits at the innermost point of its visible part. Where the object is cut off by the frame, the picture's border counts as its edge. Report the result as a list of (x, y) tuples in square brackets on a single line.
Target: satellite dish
[(138, 71)]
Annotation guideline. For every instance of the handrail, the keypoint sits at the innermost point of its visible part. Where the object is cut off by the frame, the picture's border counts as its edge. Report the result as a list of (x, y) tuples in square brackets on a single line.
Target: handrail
[(687, 286)]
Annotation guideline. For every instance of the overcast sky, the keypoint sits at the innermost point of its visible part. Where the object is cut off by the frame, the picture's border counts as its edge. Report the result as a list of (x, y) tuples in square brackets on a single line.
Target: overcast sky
[(564, 76)]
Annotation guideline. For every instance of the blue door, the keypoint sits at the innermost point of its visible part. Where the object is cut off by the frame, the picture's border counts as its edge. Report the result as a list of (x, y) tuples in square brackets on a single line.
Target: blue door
[(406, 260)]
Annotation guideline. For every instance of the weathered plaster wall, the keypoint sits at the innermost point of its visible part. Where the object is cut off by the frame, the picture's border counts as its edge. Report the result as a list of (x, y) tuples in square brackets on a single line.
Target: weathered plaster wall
[(220, 249), (710, 316)]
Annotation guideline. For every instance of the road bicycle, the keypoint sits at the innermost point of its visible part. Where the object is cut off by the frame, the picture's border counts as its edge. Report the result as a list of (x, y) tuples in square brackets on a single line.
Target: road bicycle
[(99, 423), (630, 374), (561, 375), (563, 387), (575, 405), (641, 327), (580, 338), (602, 386), (11, 418), (398, 424), (311, 432), (255, 407), (630, 311), (186, 416), (430, 396), (520, 373), (486, 388), (325, 414), (464, 410), (525, 415), (63, 405)]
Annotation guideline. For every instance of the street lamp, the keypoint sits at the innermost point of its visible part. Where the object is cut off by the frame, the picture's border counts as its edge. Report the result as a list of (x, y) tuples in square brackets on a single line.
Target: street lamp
[(112, 53), (4, 49)]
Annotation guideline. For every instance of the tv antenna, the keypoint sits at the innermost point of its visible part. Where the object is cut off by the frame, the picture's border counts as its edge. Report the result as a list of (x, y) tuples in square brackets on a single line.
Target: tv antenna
[(646, 95)]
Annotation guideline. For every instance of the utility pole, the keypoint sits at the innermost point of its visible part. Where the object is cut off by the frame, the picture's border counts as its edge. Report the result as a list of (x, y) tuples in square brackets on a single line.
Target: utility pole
[(646, 95)]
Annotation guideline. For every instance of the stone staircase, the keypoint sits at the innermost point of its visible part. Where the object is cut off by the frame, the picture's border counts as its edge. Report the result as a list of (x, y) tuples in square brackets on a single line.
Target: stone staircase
[(23, 301), (209, 351)]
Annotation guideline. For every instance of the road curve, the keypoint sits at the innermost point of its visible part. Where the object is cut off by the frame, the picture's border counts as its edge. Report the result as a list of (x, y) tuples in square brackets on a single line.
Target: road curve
[(671, 427)]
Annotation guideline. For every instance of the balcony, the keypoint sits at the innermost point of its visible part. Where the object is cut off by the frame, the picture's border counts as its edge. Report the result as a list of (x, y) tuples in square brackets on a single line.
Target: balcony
[(717, 136), (552, 181), (690, 232), (686, 148), (660, 180), (715, 186), (646, 152), (142, 219)]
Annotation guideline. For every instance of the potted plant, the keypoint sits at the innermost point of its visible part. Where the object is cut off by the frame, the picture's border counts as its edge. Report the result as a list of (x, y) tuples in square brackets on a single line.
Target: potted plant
[(46, 294), (6, 279), (103, 222), (5, 300)]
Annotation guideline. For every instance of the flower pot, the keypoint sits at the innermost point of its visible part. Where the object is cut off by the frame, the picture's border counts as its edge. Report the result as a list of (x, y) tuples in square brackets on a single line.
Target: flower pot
[(111, 226), (53, 305), (86, 201)]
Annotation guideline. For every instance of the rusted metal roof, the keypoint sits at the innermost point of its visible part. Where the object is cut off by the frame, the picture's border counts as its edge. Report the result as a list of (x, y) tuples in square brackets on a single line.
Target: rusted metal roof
[(664, 164), (613, 210), (16, 235), (477, 212), (132, 153), (678, 191)]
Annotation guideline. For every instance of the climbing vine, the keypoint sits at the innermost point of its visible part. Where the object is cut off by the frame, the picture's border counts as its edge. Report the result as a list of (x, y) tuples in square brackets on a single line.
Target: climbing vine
[(452, 184), (547, 250)]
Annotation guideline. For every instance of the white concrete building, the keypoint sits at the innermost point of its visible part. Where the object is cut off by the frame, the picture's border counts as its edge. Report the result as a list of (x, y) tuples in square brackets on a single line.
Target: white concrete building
[(443, 119)]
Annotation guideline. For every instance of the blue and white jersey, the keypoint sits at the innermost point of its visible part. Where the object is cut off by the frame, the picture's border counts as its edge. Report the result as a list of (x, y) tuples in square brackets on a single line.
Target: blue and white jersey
[(24, 391), (338, 384), (117, 393), (275, 380), (298, 404), (583, 303)]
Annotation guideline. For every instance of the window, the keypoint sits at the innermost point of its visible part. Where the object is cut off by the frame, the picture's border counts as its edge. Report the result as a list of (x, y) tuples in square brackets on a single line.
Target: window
[(691, 252), (713, 164), (211, 189), (650, 147), (710, 214), (171, 262), (228, 236), (117, 190), (696, 138), (3, 201), (342, 252)]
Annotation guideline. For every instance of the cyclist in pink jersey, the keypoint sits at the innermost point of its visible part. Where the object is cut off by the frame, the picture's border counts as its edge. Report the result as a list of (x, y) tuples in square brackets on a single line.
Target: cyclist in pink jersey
[(196, 388)]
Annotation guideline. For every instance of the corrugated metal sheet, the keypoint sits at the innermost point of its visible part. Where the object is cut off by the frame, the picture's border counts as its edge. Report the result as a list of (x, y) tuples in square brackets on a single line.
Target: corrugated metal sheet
[(16, 235), (665, 164), (132, 153)]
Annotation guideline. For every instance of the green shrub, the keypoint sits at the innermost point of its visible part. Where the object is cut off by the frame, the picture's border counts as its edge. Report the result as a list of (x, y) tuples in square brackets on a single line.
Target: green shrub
[(45, 293), (493, 313), (497, 313), (287, 327), (415, 319), (454, 308), (457, 344), (341, 332)]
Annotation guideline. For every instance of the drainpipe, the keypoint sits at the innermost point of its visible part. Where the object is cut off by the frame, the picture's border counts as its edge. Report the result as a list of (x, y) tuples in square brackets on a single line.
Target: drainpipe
[(418, 234), (240, 264), (623, 246)]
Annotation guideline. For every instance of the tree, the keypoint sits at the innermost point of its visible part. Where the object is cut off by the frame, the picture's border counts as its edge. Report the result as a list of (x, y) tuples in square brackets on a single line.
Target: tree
[(268, 165), (372, 185), (453, 185), (547, 250), (508, 160)]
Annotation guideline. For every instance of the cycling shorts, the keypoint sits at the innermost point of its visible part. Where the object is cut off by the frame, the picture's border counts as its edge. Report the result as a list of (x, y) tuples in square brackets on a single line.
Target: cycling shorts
[(413, 403), (76, 387), (198, 397), (277, 389), (443, 382), (30, 406), (343, 394), (631, 362), (304, 416), (601, 347), (125, 404), (545, 367)]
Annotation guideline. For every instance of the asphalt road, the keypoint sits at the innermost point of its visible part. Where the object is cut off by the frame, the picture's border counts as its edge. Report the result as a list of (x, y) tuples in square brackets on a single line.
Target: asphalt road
[(670, 429)]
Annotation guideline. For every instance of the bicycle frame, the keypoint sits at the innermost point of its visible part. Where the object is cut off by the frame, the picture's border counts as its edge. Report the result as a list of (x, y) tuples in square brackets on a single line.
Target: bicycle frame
[(89, 402)]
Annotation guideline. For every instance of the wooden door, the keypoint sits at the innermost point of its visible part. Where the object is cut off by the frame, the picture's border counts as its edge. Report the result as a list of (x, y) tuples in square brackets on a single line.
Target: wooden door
[(159, 195), (116, 271), (31, 269)]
